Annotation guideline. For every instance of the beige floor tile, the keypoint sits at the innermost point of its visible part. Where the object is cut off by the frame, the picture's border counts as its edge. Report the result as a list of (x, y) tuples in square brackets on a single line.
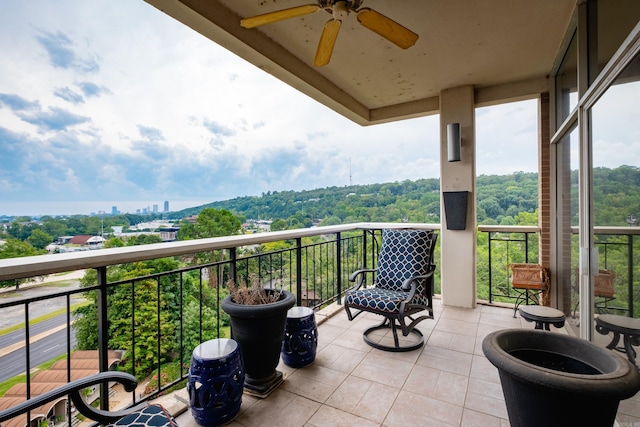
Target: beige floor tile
[(499, 319), (340, 358), (327, 416), (440, 339), (281, 408), (459, 327), (483, 369), (411, 409), (314, 382), (630, 407), (437, 384), (471, 418), (451, 388), (482, 402), (364, 398), (352, 339), (422, 380), (327, 333), (465, 314), (462, 343), (489, 388), (379, 368), (447, 360)]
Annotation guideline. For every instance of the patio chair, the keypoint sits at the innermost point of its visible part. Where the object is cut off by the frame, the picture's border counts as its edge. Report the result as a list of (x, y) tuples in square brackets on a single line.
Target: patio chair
[(141, 415), (402, 286), (603, 290), (531, 281)]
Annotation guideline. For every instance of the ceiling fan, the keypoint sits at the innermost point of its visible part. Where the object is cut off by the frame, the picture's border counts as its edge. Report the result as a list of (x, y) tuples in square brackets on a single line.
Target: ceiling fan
[(339, 9)]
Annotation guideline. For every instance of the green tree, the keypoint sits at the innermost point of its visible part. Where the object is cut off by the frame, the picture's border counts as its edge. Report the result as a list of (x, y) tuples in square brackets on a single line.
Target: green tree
[(39, 239), (14, 248), (210, 223), (278, 224)]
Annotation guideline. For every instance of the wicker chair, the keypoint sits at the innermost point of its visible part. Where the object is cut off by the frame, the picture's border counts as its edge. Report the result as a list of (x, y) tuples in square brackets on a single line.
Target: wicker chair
[(530, 281), (603, 290), (402, 286)]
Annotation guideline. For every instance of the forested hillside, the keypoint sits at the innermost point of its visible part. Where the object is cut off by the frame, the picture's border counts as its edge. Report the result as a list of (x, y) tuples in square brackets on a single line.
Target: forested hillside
[(502, 199), (415, 201)]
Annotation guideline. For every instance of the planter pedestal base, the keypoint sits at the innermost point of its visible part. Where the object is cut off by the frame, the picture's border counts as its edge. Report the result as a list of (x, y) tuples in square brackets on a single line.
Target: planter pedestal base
[(262, 387)]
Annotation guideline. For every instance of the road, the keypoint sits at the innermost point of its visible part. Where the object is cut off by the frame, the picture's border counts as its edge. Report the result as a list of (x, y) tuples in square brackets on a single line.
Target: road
[(43, 350), (48, 337), (15, 315)]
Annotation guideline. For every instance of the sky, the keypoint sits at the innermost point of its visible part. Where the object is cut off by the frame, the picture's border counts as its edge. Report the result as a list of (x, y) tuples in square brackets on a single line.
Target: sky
[(104, 105)]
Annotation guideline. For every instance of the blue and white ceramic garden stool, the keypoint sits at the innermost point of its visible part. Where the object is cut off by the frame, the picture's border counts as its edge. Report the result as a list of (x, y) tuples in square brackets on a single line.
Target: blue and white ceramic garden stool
[(300, 337), (216, 381)]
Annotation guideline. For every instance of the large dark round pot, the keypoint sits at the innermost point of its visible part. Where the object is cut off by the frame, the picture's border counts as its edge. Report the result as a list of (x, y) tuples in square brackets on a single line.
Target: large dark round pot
[(551, 379), (259, 331)]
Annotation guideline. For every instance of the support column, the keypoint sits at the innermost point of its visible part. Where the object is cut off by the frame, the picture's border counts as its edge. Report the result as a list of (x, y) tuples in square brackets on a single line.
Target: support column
[(458, 247)]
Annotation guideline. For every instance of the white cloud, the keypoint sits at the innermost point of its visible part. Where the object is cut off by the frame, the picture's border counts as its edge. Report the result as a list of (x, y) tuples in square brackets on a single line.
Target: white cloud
[(132, 106)]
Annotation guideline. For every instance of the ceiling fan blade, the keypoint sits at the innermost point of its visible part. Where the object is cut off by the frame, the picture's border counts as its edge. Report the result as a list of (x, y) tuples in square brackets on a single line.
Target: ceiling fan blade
[(327, 42), (279, 15), (387, 28)]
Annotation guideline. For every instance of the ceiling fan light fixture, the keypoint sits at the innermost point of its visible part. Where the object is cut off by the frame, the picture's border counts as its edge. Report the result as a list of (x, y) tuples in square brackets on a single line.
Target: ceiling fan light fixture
[(340, 10)]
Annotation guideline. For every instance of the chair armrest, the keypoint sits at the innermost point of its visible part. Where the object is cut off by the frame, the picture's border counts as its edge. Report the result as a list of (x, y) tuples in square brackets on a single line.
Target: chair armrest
[(361, 274), (409, 285), (73, 389)]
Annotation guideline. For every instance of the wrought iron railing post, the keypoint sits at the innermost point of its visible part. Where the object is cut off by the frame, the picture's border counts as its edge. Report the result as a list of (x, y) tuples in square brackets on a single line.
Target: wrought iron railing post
[(103, 334), (233, 256), (630, 273), (339, 267), (364, 249), (490, 269), (299, 271)]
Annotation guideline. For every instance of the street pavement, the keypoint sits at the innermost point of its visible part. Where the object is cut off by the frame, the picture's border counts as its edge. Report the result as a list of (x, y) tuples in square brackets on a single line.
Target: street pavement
[(48, 337), (10, 316)]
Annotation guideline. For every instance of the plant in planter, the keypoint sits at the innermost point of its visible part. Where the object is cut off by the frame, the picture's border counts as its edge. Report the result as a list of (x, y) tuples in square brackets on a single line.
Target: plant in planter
[(258, 317)]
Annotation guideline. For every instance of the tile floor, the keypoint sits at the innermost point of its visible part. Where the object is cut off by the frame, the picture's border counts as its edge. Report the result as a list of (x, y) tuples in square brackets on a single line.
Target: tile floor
[(448, 382)]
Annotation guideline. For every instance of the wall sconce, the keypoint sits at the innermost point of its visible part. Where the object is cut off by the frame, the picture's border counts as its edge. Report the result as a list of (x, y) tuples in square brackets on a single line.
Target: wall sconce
[(454, 142)]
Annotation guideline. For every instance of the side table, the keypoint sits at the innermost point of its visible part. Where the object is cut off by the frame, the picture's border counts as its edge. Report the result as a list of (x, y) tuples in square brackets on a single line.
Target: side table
[(543, 316), (627, 326), (216, 382)]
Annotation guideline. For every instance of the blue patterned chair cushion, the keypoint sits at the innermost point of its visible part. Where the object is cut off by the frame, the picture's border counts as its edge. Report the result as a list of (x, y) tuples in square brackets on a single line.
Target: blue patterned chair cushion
[(404, 254), (152, 415), (376, 299)]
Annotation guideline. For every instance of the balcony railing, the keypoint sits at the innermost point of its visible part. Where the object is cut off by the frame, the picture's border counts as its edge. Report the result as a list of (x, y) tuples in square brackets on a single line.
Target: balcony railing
[(157, 302), (505, 245), (173, 290)]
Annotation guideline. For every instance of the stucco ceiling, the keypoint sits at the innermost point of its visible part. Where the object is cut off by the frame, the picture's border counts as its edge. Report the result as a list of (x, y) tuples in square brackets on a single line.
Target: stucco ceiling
[(504, 48)]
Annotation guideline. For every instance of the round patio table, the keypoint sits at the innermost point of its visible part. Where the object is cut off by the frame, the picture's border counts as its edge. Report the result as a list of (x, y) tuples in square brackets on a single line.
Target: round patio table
[(542, 316), (627, 326)]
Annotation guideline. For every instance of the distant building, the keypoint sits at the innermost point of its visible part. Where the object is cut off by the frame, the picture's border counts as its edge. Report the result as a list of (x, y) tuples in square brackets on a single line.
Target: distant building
[(309, 299), (166, 206), (114, 210), (155, 208), (169, 234), (86, 240)]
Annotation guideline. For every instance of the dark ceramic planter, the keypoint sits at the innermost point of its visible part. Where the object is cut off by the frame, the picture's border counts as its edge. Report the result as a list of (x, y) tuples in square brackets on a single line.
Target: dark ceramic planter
[(551, 379), (259, 331)]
